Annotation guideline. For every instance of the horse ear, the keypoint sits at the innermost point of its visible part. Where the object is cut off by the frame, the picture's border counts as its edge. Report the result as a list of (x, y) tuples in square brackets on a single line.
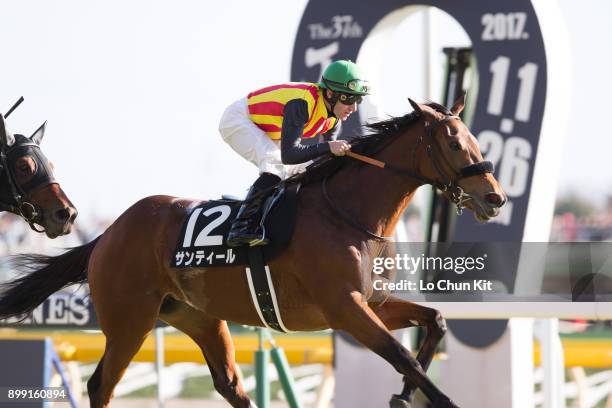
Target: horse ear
[(459, 104), (424, 111), (6, 137), (415, 106), (38, 135)]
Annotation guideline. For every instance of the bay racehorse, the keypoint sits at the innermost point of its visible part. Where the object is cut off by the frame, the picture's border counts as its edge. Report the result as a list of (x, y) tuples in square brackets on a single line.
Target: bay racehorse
[(27, 185), (319, 279)]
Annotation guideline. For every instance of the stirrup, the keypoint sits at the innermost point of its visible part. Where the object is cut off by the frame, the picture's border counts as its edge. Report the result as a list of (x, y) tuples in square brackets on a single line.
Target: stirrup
[(261, 241), (250, 241)]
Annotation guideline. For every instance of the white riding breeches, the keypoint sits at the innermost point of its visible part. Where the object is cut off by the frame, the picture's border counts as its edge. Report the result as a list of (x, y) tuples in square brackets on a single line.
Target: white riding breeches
[(252, 143)]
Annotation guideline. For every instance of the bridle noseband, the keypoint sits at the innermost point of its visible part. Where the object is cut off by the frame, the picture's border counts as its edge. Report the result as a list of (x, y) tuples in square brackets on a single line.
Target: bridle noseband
[(447, 184)]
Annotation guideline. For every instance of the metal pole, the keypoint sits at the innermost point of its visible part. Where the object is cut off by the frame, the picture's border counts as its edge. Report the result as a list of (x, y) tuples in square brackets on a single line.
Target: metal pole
[(552, 364), (284, 375), (428, 51), (262, 385), (284, 372), (57, 363), (159, 364)]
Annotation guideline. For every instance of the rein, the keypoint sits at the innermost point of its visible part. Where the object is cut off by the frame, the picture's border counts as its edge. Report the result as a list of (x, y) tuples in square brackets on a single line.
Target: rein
[(457, 195)]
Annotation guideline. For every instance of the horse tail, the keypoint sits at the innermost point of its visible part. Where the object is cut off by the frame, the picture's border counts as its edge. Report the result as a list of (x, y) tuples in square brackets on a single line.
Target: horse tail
[(42, 275)]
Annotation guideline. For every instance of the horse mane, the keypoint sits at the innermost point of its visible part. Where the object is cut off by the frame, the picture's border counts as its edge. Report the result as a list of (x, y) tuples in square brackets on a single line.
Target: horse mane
[(400, 123), (376, 136)]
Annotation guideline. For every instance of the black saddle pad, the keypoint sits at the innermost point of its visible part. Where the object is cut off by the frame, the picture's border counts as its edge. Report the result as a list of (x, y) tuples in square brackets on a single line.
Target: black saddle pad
[(202, 242)]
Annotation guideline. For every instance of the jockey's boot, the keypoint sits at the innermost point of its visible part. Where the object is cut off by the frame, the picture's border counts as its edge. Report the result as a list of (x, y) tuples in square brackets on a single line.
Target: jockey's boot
[(245, 228)]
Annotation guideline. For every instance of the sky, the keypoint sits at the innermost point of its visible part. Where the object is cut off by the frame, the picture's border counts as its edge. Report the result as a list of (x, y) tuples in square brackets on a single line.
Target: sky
[(133, 91)]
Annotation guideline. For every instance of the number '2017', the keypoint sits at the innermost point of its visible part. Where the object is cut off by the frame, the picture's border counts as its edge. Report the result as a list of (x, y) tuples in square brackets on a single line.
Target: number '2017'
[(504, 26)]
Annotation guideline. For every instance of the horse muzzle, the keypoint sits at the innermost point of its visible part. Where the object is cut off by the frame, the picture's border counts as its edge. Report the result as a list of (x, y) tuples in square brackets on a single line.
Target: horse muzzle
[(58, 221), (486, 207)]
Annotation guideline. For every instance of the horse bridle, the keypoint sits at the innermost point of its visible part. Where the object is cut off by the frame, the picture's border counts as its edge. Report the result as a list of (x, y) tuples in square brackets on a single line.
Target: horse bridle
[(20, 205), (449, 184), (457, 195)]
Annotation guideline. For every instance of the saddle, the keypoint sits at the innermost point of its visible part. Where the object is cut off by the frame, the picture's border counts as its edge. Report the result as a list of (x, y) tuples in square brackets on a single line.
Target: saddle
[(202, 241)]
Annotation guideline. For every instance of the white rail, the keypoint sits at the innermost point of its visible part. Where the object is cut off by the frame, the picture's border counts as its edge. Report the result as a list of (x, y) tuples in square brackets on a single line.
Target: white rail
[(541, 310)]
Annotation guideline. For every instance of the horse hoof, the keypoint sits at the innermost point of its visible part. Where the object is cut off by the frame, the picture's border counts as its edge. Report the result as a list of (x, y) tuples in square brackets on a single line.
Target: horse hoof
[(398, 402)]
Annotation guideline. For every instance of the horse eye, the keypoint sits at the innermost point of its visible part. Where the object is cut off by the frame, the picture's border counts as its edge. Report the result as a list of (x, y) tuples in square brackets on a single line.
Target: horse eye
[(455, 146), (25, 166)]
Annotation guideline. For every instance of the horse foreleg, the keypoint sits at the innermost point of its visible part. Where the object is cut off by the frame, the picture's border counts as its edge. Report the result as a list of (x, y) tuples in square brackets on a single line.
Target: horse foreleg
[(396, 314), (213, 337), (358, 319)]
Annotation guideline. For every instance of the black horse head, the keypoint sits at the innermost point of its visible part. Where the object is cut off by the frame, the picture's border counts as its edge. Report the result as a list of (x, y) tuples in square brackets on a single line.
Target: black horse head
[(28, 187)]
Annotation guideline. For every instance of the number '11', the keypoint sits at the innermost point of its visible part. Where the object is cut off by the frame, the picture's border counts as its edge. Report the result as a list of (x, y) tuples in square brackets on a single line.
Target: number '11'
[(527, 74)]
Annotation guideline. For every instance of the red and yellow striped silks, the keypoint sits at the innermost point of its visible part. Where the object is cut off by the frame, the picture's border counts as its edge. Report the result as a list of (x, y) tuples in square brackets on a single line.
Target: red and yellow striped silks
[(266, 108)]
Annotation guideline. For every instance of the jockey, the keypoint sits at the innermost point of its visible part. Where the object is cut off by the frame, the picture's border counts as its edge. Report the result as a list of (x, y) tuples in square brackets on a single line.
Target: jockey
[(267, 128)]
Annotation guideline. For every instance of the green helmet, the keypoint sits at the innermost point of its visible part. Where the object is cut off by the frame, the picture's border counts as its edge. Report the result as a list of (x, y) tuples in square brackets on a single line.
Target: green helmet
[(344, 76)]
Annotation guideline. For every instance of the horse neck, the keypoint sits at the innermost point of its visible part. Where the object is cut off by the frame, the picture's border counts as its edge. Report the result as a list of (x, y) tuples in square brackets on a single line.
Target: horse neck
[(376, 198)]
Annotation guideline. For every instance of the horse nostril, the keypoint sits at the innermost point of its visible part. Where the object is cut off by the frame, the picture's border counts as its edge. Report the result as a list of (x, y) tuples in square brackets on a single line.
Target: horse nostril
[(63, 215), (495, 199)]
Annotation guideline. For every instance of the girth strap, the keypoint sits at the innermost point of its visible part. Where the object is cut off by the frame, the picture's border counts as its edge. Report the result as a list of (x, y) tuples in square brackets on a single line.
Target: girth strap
[(262, 291)]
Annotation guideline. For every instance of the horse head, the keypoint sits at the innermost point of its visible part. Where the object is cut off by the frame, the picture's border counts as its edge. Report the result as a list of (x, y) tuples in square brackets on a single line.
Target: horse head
[(451, 160), (28, 187)]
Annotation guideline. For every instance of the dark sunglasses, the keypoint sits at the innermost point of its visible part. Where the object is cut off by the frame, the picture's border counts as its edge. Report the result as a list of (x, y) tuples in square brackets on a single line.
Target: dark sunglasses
[(348, 99)]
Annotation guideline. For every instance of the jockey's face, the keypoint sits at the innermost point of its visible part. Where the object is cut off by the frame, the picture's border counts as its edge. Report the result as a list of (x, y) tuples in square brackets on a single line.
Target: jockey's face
[(341, 110)]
